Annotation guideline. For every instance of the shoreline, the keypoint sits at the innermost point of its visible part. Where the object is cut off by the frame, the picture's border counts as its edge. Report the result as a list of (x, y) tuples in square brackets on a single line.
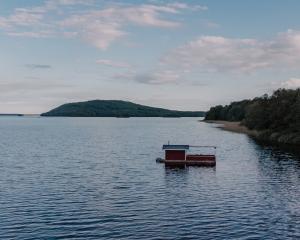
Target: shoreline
[(261, 136), (233, 127)]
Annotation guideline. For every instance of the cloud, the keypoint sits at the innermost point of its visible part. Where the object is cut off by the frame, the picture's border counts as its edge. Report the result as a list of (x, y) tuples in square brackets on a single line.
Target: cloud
[(217, 54), (153, 78), (38, 66), (181, 5), (291, 83), (99, 27), (25, 17), (21, 17), (161, 77), (110, 63), (71, 2), (102, 27)]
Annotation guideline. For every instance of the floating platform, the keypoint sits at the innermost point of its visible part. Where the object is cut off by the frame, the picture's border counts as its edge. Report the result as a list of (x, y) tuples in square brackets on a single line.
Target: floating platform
[(204, 163), (176, 155)]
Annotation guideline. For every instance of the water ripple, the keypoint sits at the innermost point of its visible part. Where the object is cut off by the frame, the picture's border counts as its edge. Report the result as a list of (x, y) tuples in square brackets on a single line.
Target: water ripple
[(66, 178)]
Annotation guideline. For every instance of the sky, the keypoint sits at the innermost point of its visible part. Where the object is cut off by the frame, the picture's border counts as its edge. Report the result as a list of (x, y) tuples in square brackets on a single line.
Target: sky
[(184, 55)]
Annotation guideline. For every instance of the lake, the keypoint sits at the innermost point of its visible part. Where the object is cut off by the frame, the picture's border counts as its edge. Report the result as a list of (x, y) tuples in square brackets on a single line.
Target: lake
[(96, 178)]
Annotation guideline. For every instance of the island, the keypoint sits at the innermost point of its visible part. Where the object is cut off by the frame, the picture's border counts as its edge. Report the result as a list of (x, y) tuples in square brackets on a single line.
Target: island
[(274, 118), (115, 108), (11, 115)]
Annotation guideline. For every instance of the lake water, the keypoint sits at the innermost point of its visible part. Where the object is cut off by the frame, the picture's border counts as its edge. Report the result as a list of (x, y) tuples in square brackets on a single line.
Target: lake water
[(96, 178)]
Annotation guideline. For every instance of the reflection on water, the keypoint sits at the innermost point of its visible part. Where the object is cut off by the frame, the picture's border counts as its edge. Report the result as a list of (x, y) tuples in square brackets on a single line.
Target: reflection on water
[(96, 178)]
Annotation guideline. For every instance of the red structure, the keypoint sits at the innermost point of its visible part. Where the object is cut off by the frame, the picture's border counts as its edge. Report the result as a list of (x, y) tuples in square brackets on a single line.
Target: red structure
[(180, 155), (175, 154)]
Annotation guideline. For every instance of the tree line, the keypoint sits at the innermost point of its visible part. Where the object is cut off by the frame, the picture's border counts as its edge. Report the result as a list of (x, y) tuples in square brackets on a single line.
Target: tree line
[(276, 117)]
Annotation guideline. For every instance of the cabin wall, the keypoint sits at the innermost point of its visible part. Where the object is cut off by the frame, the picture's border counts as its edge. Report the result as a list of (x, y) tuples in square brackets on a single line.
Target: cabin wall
[(175, 154), (195, 157)]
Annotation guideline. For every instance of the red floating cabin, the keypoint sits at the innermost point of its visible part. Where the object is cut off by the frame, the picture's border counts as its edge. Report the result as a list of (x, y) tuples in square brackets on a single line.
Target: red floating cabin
[(181, 155)]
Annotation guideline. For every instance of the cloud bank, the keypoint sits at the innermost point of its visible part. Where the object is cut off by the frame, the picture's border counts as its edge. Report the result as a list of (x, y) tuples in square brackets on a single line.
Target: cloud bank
[(99, 26), (217, 54)]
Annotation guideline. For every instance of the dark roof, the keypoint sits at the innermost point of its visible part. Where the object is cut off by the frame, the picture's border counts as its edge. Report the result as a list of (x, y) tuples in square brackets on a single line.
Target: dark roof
[(177, 147)]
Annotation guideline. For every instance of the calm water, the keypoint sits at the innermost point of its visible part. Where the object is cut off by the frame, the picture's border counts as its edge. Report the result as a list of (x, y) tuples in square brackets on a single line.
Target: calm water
[(96, 178)]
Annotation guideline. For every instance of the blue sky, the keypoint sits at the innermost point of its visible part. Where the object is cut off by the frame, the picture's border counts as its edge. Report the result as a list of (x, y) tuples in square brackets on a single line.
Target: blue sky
[(186, 55)]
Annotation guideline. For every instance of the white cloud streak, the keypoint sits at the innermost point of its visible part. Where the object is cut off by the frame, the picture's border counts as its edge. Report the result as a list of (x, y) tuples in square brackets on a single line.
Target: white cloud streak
[(99, 27), (110, 63), (160, 77), (38, 66)]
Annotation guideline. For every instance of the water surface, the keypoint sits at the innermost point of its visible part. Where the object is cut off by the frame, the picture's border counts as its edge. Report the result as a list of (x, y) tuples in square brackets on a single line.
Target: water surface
[(96, 178)]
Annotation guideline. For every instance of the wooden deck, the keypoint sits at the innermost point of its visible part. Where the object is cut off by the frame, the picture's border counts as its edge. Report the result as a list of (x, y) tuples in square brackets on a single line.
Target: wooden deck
[(204, 163), (191, 160)]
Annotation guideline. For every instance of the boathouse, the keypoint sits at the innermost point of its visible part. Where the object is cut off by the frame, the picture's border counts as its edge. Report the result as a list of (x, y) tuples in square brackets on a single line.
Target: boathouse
[(180, 155), (175, 152)]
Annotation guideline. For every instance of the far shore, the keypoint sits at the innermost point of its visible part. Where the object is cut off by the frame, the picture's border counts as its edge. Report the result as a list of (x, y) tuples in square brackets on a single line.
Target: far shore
[(232, 127)]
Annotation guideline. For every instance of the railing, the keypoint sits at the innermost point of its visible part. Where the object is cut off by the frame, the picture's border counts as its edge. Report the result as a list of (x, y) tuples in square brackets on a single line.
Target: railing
[(203, 147)]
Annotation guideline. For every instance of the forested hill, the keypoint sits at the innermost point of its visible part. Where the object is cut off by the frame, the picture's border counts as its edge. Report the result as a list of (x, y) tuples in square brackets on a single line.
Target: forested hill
[(275, 118), (116, 108)]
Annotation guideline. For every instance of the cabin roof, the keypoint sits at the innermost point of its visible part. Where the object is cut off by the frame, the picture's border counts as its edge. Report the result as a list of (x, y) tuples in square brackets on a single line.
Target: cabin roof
[(175, 147)]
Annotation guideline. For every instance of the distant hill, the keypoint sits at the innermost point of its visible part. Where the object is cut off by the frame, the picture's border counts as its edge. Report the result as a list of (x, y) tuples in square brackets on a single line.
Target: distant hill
[(115, 108), (11, 115)]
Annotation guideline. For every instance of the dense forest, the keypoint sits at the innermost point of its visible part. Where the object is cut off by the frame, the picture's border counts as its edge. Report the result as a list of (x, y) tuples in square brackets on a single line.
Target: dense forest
[(115, 108), (274, 118)]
